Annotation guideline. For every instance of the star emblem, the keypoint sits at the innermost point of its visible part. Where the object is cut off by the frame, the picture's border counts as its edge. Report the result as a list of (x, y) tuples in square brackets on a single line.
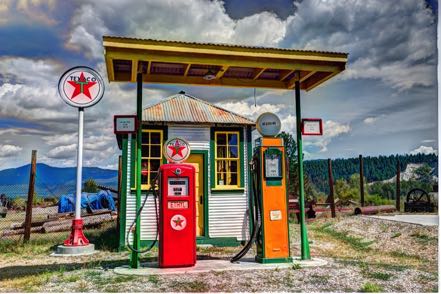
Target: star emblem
[(178, 222), (176, 149), (82, 86)]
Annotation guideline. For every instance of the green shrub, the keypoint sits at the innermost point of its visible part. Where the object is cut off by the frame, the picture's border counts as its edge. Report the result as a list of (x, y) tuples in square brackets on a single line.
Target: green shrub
[(18, 203), (371, 288), (377, 200)]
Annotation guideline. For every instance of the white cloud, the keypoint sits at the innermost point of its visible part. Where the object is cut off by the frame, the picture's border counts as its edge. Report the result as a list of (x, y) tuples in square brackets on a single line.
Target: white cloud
[(370, 120), (424, 150), (248, 110), (386, 41), (259, 29), (63, 151), (9, 150), (331, 130), (289, 124), (181, 20)]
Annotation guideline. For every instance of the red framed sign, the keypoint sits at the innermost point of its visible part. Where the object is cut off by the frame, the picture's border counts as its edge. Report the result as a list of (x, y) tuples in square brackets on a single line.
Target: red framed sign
[(125, 124), (312, 126)]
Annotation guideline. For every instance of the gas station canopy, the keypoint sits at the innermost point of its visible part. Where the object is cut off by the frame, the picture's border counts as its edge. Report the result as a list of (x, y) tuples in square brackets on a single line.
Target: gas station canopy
[(174, 62)]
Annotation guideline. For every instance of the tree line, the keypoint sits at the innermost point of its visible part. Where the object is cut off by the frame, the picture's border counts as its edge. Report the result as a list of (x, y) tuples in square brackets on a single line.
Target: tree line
[(347, 178)]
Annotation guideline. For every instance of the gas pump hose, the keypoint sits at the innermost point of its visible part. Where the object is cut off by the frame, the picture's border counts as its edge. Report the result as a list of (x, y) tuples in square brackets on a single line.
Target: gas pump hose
[(257, 227), (155, 196)]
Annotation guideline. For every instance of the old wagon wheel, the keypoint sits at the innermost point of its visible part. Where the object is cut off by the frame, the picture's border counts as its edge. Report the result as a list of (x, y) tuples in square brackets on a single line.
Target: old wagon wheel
[(417, 195)]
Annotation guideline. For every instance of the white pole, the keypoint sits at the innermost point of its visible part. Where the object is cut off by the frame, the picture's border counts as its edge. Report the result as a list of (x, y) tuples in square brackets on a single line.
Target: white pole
[(79, 163)]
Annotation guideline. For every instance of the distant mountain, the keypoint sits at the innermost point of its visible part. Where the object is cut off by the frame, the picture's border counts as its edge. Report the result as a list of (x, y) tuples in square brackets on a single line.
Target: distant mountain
[(51, 181)]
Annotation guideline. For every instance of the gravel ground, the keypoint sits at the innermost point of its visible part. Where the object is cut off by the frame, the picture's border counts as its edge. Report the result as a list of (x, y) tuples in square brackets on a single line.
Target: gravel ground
[(363, 255)]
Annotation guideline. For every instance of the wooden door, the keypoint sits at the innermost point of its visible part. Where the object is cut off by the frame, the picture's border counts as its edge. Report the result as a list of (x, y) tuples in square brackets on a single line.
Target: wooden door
[(197, 160)]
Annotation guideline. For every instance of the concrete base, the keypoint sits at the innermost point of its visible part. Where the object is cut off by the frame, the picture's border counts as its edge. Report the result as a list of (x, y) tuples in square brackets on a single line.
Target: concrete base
[(74, 250), (204, 266)]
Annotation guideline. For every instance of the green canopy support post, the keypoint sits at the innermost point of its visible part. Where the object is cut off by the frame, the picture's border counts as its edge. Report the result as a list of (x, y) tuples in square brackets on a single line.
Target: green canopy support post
[(305, 254), (134, 261)]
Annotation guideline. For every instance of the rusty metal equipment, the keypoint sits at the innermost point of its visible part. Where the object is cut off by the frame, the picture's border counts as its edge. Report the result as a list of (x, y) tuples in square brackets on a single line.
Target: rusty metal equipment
[(418, 200), (368, 210)]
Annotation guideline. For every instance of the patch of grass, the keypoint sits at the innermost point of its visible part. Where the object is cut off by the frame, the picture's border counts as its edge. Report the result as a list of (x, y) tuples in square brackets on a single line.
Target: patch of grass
[(402, 254), (106, 238), (369, 287), (82, 286), (296, 266), (94, 274), (365, 265), (380, 276), (123, 279), (154, 279), (396, 235), (355, 242), (71, 278), (28, 284), (423, 238), (190, 286)]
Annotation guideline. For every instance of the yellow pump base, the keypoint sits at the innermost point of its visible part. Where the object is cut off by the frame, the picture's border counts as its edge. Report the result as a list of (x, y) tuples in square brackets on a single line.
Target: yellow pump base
[(274, 243)]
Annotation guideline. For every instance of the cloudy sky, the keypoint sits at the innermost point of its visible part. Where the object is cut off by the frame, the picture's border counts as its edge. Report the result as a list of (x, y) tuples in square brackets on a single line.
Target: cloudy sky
[(384, 103)]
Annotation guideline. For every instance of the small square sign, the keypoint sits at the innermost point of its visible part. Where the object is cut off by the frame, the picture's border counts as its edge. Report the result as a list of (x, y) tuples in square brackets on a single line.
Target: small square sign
[(125, 124), (312, 127)]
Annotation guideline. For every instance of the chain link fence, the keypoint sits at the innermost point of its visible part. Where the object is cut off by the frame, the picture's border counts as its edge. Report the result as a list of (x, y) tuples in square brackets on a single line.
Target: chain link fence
[(46, 223)]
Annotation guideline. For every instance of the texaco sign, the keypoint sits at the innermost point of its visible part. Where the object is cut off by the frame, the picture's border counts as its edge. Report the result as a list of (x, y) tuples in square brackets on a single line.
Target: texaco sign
[(81, 87), (176, 150)]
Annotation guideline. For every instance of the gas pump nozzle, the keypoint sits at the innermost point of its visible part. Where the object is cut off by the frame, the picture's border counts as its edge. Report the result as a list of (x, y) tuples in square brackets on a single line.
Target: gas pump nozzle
[(153, 190)]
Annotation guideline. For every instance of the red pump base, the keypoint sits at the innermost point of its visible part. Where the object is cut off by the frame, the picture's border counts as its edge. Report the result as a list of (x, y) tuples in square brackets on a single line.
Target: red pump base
[(76, 237)]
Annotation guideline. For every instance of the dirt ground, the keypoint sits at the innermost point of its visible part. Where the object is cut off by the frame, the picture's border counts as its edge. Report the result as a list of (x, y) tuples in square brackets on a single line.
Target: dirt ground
[(363, 254)]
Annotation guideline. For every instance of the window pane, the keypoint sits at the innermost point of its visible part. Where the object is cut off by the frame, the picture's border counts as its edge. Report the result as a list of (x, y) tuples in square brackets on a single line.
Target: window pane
[(233, 152), (155, 138), (154, 164), (221, 166), (232, 179), (233, 166), (221, 152), (145, 138), (144, 172), (221, 139), (145, 151), (232, 139), (153, 175), (221, 179), (155, 151)]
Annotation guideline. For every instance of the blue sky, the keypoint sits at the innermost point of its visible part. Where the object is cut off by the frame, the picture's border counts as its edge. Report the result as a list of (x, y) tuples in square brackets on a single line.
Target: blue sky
[(384, 103)]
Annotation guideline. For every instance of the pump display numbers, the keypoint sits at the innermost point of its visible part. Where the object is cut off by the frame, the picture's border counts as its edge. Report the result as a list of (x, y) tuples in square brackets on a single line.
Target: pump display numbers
[(177, 186), (272, 168)]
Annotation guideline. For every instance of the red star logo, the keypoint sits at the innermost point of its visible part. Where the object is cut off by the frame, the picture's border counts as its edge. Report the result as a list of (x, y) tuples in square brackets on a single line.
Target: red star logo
[(81, 86), (177, 149), (178, 222)]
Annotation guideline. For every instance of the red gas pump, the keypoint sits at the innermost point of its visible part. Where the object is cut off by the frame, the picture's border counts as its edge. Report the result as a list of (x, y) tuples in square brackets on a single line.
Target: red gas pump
[(177, 215)]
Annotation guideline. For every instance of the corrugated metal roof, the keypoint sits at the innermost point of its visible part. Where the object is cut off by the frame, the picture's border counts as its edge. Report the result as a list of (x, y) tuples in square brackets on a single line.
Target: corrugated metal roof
[(225, 45), (183, 108)]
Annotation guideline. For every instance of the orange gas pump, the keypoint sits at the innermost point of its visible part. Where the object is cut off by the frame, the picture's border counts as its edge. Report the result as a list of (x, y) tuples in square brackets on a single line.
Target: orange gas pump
[(177, 216)]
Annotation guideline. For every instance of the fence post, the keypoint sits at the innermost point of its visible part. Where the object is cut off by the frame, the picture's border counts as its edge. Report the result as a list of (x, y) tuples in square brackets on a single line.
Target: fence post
[(331, 188), (28, 219), (398, 192), (361, 181)]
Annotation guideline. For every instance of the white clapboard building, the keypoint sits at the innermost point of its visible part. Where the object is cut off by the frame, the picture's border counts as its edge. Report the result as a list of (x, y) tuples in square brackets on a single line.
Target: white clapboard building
[(220, 142)]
